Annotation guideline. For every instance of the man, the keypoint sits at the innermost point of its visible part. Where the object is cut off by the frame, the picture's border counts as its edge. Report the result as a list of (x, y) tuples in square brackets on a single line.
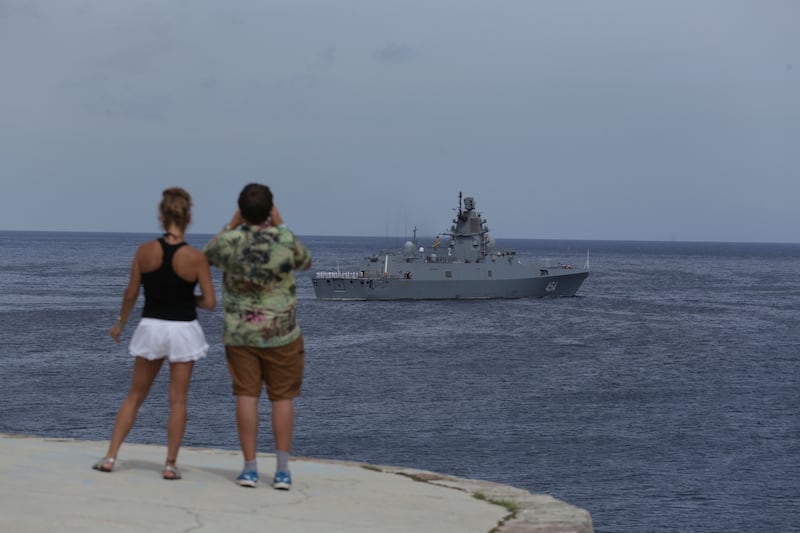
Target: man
[(263, 343)]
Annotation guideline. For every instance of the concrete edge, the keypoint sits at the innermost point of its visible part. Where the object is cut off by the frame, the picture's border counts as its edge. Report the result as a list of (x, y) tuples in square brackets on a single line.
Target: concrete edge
[(527, 512)]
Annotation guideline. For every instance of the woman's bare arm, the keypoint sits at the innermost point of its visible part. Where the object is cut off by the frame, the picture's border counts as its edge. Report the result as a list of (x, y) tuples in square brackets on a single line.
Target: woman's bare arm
[(207, 299), (129, 297)]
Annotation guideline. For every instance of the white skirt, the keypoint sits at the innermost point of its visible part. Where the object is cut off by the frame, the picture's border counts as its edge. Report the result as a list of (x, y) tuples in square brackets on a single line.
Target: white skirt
[(176, 340)]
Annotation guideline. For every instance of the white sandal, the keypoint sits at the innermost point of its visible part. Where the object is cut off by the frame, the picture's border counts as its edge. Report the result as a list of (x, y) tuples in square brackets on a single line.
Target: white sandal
[(101, 464), (173, 470)]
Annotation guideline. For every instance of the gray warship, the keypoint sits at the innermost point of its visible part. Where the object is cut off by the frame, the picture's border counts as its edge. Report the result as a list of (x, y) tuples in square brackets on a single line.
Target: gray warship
[(463, 265)]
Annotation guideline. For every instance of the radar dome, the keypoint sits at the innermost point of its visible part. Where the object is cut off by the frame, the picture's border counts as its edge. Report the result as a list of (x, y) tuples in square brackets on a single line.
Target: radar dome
[(408, 248)]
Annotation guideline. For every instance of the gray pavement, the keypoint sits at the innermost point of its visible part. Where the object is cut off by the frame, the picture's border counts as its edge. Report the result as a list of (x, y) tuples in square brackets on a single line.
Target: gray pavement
[(48, 485)]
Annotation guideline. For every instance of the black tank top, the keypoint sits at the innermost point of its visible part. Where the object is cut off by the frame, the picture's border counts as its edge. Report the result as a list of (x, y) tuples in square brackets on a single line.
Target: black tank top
[(166, 295)]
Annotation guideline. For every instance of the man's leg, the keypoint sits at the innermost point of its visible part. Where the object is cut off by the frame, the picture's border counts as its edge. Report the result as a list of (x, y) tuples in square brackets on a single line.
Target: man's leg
[(244, 365), (283, 424), (284, 380), (282, 427), (247, 423)]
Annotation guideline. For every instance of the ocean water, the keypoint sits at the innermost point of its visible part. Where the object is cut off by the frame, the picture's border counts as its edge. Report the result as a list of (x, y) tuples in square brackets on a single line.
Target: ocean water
[(664, 397)]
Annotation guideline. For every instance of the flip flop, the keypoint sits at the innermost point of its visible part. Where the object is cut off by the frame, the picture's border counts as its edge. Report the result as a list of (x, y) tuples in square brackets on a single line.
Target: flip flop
[(101, 464), (171, 473)]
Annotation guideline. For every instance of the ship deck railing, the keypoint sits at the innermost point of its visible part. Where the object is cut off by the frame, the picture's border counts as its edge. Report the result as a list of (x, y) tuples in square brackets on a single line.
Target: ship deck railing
[(340, 275), (361, 275)]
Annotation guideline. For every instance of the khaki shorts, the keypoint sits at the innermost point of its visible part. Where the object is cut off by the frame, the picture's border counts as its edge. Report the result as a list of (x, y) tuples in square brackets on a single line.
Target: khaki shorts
[(280, 367)]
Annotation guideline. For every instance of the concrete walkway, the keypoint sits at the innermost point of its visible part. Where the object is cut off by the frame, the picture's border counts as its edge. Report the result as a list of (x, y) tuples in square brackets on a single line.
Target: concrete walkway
[(48, 485)]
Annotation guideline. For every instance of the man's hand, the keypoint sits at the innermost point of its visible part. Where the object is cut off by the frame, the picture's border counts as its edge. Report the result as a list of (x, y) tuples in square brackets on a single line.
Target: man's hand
[(275, 217), (236, 220)]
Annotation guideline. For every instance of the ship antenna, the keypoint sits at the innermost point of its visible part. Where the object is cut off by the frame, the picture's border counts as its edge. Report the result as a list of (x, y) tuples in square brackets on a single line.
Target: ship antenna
[(459, 203)]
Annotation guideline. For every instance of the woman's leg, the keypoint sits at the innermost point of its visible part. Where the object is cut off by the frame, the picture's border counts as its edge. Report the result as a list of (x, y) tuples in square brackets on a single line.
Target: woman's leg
[(144, 372), (179, 377)]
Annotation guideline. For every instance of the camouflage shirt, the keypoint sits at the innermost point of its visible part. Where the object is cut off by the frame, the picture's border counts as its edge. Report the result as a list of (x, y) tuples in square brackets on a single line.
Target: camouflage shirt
[(259, 290)]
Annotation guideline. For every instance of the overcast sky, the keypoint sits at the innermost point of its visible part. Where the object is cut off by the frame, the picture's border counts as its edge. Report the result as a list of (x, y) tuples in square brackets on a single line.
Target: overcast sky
[(617, 119)]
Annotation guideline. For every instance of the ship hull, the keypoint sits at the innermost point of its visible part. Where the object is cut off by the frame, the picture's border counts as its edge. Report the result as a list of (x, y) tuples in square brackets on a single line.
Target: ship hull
[(392, 288)]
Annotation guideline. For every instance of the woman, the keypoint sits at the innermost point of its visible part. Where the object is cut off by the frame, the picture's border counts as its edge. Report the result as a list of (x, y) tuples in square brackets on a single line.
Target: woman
[(169, 269)]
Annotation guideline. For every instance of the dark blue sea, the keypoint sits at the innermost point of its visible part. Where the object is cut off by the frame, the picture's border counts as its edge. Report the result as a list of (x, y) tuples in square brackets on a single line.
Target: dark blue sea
[(664, 397)]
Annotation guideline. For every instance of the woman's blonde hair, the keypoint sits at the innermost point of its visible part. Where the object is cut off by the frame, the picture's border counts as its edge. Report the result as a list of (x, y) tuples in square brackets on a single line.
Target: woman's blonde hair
[(175, 207)]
